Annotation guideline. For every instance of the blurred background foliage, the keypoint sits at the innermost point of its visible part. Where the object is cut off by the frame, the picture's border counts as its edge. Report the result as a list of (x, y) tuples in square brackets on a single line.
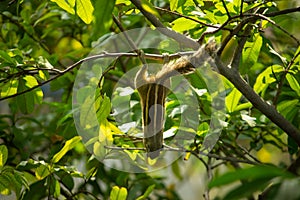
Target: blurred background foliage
[(41, 155)]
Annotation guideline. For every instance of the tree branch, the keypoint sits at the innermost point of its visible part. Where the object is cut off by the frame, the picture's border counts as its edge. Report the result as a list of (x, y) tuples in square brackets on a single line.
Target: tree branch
[(183, 40), (282, 12), (234, 77)]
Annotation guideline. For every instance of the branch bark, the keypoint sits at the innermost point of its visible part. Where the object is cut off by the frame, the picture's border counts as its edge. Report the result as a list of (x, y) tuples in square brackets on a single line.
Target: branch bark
[(235, 78)]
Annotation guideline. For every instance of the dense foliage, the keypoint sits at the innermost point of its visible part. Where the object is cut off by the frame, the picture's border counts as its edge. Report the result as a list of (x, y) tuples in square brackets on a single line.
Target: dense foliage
[(256, 56)]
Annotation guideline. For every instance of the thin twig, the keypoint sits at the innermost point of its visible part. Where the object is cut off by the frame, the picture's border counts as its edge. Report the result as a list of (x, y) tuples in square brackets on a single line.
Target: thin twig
[(227, 12), (282, 79), (181, 39), (235, 62), (190, 18), (274, 24), (282, 12), (103, 55)]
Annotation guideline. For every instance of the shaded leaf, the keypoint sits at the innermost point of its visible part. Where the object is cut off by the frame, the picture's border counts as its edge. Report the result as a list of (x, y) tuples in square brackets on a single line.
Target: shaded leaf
[(103, 16), (25, 101), (293, 83), (147, 192), (252, 173), (247, 189), (6, 57), (42, 171)]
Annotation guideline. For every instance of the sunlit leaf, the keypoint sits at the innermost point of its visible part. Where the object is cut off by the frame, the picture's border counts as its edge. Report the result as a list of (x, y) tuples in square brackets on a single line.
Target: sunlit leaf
[(265, 78), (203, 128), (10, 88), (118, 193), (70, 144), (147, 6), (103, 107), (65, 5), (84, 10), (105, 133), (251, 52), (232, 100), (173, 5), (3, 155), (182, 24)]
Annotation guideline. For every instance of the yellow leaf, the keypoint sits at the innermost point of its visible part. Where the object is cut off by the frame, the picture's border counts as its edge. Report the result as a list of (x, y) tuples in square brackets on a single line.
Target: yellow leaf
[(85, 9)]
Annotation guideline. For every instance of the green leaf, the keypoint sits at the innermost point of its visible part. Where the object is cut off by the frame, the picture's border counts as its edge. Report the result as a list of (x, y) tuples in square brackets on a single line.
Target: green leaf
[(251, 52), (10, 88), (103, 16), (203, 128), (88, 117), (55, 188), (45, 17), (103, 107), (182, 24), (6, 57), (99, 150), (42, 171), (293, 83), (252, 173), (5, 182), (173, 5), (66, 5), (292, 146), (70, 144), (84, 10), (147, 6), (19, 183), (288, 106), (25, 101), (66, 178), (265, 78), (118, 193), (3, 155), (247, 189), (232, 100), (147, 192)]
